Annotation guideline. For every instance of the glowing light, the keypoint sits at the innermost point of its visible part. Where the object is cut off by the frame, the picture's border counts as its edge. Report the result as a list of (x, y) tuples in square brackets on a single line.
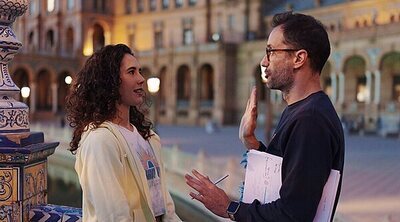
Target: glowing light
[(25, 91), (68, 80), (50, 5), (216, 37), (153, 84)]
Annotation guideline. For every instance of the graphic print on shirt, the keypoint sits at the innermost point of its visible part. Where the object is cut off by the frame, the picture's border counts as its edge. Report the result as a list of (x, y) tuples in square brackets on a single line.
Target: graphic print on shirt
[(143, 150), (149, 164), (152, 170)]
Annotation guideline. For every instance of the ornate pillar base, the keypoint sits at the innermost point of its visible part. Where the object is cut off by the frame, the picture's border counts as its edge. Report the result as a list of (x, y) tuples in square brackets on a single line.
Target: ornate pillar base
[(23, 174)]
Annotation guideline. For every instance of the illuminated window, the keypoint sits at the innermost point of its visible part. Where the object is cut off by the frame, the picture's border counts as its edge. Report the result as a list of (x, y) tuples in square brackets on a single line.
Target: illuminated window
[(50, 5)]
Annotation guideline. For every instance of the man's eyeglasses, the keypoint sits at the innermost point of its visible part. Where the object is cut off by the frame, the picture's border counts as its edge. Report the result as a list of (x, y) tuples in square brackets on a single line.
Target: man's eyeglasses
[(268, 51)]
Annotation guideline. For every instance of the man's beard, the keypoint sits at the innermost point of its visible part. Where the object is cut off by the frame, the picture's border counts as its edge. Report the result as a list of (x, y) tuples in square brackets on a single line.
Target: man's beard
[(280, 80)]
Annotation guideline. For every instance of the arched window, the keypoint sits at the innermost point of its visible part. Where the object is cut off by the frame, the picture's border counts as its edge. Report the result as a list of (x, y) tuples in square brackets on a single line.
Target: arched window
[(354, 70), (44, 93), (49, 40), (21, 79), (98, 37), (206, 86), (69, 44), (390, 77), (183, 89), (63, 87)]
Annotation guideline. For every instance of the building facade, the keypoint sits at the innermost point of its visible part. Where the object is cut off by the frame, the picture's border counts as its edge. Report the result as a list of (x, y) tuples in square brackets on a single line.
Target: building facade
[(207, 53)]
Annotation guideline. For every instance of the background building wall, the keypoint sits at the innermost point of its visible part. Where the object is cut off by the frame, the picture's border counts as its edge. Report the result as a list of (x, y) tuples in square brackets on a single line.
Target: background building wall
[(228, 37)]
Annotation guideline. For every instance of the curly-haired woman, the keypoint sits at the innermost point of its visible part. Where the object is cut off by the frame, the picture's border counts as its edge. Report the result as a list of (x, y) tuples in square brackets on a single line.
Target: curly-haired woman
[(118, 156)]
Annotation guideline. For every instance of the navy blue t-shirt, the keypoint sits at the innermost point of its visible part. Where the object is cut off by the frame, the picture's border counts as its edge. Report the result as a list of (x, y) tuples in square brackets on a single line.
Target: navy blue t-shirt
[(309, 137)]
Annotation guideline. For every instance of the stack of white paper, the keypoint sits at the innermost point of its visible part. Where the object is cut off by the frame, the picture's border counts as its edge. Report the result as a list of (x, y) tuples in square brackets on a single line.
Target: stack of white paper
[(263, 181)]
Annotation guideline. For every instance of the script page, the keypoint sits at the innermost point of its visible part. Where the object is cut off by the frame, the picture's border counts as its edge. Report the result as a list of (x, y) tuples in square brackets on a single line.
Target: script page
[(263, 177)]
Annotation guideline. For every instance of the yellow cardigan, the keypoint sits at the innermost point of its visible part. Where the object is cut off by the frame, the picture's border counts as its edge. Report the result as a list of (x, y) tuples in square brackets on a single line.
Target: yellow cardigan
[(113, 179)]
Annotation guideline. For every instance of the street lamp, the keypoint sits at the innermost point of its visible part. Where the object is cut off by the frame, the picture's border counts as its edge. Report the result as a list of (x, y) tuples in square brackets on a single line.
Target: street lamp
[(153, 85), (68, 80), (25, 91)]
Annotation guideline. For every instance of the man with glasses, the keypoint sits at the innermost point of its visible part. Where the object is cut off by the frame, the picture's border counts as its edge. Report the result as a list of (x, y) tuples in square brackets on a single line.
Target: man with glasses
[(309, 136)]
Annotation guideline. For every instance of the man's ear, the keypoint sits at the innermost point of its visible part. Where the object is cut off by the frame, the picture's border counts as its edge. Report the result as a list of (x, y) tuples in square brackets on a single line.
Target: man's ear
[(300, 58)]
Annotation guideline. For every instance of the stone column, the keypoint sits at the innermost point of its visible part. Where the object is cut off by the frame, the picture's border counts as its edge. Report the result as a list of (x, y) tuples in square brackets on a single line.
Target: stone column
[(54, 93), (334, 87), (377, 97), (33, 98), (341, 88), (368, 76)]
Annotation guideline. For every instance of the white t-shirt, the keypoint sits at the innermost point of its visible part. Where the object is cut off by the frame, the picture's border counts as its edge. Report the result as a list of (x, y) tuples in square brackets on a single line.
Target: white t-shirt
[(143, 150)]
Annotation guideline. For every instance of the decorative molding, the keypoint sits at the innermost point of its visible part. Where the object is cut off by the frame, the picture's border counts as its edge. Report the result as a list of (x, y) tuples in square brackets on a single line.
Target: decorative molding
[(15, 119), (11, 9)]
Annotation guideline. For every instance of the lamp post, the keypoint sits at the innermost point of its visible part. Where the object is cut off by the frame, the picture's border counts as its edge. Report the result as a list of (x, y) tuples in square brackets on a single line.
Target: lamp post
[(153, 85)]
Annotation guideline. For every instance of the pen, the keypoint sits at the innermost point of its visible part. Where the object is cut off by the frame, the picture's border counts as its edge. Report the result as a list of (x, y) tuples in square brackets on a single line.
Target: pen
[(218, 181), (221, 179)]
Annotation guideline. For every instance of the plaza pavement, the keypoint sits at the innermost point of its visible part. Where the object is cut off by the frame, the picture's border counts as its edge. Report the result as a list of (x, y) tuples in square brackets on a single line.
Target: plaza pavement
[(371, 183)]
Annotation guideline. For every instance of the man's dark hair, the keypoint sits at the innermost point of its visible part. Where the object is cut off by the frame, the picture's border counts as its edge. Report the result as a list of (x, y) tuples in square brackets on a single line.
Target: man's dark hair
[(305, 32)]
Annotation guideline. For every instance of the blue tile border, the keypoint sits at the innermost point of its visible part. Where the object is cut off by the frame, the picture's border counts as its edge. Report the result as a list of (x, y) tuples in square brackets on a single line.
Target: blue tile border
[(55, 213)]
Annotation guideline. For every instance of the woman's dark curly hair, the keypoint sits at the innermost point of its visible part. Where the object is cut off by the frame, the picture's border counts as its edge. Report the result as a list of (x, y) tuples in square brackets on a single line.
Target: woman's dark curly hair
[(95, 93)]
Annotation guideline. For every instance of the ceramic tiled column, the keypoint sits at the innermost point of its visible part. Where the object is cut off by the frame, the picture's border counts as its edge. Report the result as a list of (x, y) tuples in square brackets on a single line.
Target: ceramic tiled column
[(23, 154)]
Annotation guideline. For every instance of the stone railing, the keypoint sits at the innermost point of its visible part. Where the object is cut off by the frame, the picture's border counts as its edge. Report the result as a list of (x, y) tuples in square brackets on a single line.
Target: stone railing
[(181, 163)]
